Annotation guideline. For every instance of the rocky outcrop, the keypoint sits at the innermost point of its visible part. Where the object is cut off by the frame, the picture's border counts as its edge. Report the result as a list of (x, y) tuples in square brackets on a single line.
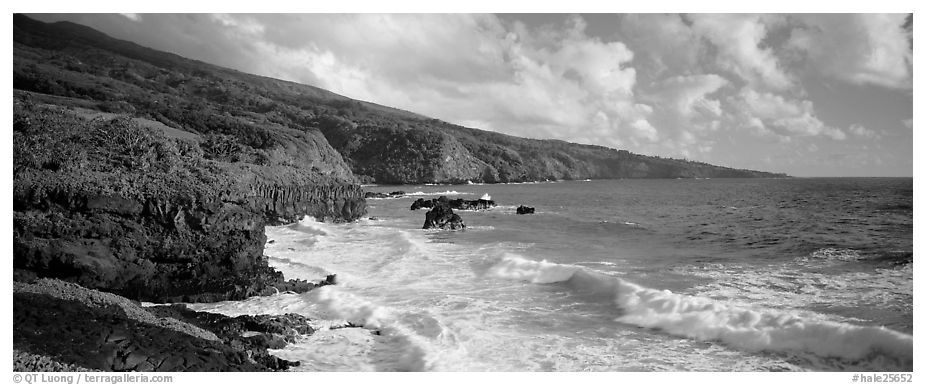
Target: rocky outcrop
[(441, 216), (379, 195), (115, 206), (74, 328), (422, 203), (478, 204), (457, 204), (522, 209)]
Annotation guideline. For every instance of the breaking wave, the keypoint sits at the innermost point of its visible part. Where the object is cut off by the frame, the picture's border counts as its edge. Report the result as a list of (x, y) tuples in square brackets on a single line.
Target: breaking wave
[(752, 329)]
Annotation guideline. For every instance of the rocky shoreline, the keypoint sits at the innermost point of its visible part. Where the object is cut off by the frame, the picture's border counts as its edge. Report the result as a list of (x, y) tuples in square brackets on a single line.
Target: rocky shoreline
[(78, 329)]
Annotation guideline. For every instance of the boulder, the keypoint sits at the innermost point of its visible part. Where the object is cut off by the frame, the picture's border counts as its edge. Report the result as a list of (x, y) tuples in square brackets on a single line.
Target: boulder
[(422, 203), (441, 216)]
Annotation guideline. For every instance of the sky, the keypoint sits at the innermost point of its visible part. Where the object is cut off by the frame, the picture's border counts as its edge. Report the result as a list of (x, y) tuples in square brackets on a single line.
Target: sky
[(803, 94)]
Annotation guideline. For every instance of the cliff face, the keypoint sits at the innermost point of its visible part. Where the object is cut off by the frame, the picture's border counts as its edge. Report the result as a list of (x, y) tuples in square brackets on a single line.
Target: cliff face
[(110, 204), (148, 175)]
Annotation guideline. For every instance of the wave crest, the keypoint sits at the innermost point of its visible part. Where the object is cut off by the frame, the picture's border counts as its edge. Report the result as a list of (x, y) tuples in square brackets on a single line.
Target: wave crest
[(706, 319)]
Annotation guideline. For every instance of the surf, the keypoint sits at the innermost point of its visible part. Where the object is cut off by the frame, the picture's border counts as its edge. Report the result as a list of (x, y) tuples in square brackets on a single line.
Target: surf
[(705, 319)]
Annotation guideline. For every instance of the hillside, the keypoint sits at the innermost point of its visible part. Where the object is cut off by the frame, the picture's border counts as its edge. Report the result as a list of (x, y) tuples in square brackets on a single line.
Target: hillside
[(244, 115)]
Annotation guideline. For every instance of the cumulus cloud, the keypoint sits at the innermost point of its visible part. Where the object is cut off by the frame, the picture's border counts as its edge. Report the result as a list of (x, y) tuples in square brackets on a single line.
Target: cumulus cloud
[(666, 44), (860, 131), (764, 110), (738, 41), (687, 96), (858, 48), (545, 82)]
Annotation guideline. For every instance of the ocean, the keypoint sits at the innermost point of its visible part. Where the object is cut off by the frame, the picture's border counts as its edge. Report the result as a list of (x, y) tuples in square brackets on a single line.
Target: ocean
[(797, 274)]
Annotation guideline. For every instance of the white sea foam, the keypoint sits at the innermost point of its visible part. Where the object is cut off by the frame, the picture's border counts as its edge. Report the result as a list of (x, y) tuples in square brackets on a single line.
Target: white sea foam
[(807, 282), (440, 306), (748, 328), (448, 192)]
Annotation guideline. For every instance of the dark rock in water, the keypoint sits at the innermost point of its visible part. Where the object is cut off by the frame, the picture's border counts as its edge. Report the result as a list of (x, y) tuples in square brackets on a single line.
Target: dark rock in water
[(379, 195), (522, 209), (457, 204), (422, 203), (370, 194), (441, 216), (478, 204)]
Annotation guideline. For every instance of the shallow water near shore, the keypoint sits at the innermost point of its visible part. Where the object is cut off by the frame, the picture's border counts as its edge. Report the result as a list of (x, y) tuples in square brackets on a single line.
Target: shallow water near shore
[(679, 275)]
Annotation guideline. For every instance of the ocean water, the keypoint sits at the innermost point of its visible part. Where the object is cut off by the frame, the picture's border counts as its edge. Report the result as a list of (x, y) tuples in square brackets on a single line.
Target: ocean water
[(615, 275)]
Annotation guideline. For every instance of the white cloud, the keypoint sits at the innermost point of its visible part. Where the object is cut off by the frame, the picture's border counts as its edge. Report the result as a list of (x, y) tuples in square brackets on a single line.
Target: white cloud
[(132, 16), (643, 129), (738, 39), (794, 117), (687, 96), (666, 44), (538, 83), (857, 48), (863, 132)]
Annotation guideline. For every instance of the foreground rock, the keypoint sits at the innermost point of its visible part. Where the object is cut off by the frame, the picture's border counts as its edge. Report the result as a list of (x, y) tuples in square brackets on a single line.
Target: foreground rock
[(63, 326), (522, 209), (28, 362), (441, 216), (456, 204)]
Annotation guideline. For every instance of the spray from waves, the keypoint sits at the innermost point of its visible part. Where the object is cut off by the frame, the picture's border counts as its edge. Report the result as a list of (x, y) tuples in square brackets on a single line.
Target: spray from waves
[(408, 350), (310, 225), (710, 320)]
